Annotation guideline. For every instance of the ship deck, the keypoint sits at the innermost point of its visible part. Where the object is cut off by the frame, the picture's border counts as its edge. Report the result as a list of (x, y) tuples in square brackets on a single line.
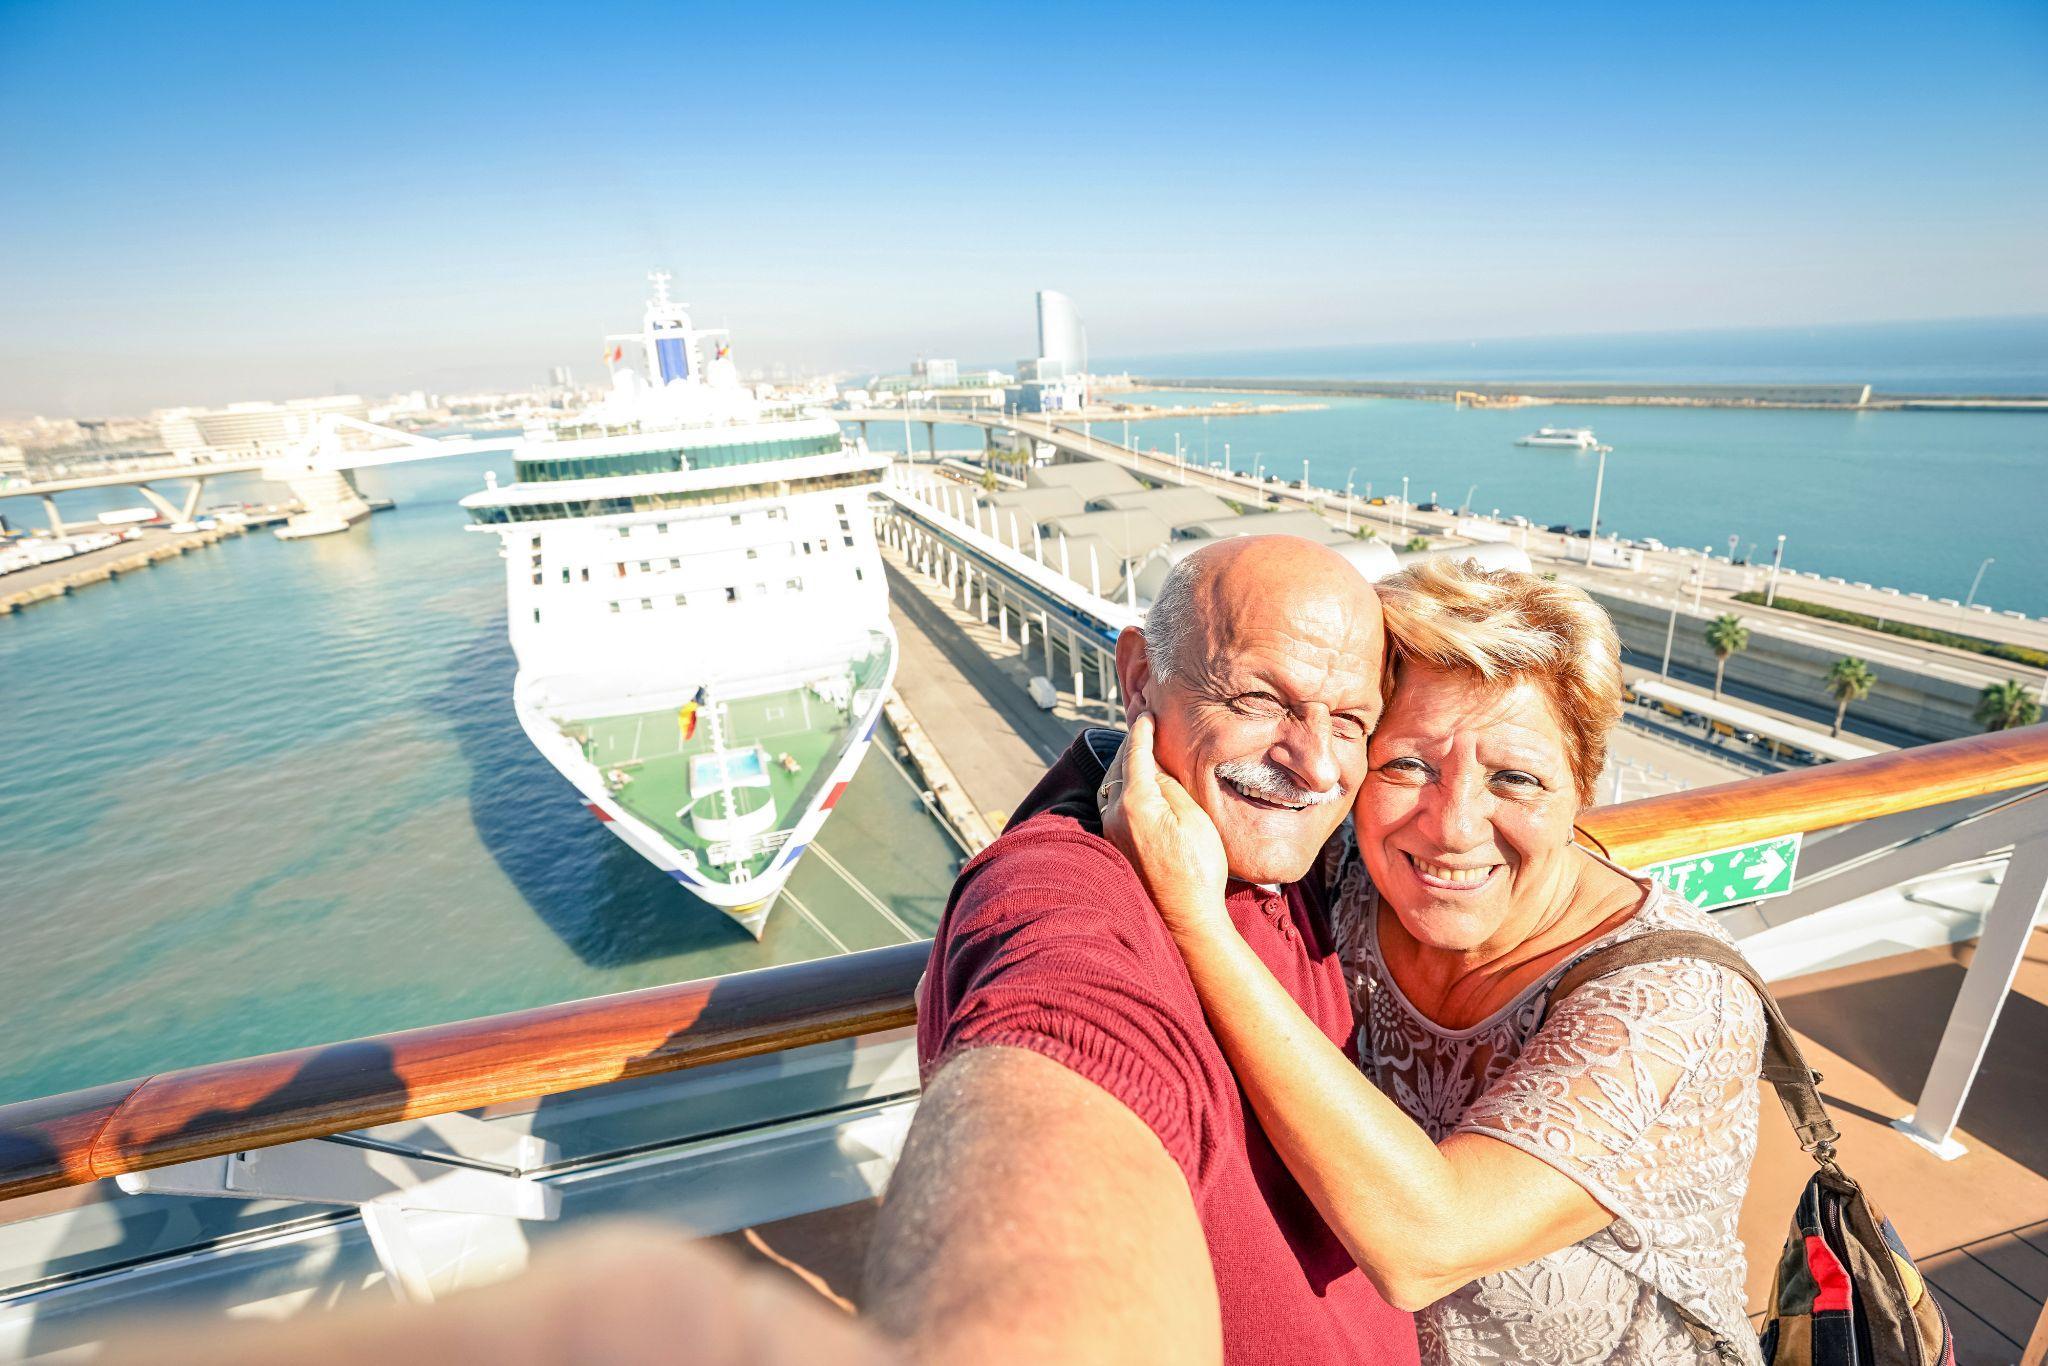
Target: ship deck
[(648, 750)]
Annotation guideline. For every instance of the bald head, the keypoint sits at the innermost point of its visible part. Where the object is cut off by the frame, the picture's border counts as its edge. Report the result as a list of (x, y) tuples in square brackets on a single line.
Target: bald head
[(1260, 662), (1210, 584)]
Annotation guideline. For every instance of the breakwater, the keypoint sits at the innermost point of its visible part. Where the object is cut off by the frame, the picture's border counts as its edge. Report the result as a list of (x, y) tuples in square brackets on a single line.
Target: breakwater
[(1658, 395)]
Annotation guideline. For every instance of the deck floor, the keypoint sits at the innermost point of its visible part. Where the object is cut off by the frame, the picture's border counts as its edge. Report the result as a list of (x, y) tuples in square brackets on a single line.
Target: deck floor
[(649, 749), (1977, 1226)]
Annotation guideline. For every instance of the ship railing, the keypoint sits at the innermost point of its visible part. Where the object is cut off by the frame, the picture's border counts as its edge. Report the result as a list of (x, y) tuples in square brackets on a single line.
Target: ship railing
[(766, 1094)]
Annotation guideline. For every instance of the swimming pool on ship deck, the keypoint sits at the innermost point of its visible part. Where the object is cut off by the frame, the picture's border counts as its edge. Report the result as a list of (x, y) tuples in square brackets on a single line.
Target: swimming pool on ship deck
[(648, 747)]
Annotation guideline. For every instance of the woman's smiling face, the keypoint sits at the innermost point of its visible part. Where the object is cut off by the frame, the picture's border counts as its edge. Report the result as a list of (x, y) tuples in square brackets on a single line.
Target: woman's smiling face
[(1465, 817)]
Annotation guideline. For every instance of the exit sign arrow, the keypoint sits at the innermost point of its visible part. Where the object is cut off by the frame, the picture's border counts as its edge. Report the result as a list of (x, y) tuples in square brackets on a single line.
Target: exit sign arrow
[(1731, 876)]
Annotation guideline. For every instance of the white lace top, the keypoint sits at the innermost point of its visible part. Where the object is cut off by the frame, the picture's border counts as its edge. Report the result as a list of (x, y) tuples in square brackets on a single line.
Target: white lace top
[(1641, 1087)]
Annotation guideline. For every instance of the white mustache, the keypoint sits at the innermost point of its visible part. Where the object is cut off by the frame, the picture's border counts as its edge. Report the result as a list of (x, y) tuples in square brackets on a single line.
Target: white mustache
[(1272, 784)]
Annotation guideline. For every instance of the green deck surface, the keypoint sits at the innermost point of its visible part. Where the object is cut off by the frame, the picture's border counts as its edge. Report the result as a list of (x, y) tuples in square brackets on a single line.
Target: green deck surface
[(648, 747)]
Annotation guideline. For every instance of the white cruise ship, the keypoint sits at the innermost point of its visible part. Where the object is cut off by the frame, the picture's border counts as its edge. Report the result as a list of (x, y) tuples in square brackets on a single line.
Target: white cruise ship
[(1571, 438), (698, 611)]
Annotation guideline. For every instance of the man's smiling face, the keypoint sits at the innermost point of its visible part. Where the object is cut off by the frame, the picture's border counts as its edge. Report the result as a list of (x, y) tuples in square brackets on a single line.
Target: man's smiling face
[(1264, 713)]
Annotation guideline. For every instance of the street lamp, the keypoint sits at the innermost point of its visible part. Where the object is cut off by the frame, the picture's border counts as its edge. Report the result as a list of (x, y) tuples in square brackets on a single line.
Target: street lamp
[(1304, 478), (1226, 457), (1971, 597), (1777, 559), (1468, 498), (1593, 530), (1347, 496), (1404, 502)]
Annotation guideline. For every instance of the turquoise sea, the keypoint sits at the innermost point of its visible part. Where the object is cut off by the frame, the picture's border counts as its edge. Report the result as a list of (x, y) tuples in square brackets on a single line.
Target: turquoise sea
[(1914, 500), (272, 794)]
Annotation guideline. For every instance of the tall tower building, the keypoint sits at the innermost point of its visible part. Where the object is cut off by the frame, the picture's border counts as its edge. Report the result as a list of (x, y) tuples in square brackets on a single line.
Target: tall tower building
[(1060, 335)]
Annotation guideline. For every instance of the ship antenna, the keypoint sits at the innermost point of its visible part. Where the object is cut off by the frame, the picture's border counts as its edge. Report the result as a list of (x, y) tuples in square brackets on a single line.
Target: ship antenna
[(660, 279)]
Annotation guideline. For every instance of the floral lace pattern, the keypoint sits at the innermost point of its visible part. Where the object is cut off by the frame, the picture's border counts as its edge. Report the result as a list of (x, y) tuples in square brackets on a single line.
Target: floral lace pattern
[(1641, 1087)]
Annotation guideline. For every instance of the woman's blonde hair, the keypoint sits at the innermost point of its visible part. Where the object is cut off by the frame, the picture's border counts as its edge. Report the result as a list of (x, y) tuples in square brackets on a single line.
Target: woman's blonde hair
[(1503, 625)]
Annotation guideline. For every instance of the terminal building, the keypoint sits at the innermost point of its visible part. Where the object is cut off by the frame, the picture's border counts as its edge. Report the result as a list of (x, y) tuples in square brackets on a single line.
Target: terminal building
[(247, 429)]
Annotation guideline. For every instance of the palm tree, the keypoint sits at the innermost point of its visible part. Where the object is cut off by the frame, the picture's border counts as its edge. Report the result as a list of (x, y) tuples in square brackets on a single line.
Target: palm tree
[(1728, 636), (1416, 543), (989, 482), (1849, 680), (2002, 706)]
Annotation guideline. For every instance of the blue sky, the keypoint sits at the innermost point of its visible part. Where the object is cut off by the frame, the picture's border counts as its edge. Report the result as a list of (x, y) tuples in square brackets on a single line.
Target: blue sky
[(208, 202)]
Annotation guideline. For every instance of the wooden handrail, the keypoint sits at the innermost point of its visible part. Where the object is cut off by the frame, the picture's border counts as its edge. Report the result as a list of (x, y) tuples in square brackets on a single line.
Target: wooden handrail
[(334, 1088), (1707, 818), (229, 1107)]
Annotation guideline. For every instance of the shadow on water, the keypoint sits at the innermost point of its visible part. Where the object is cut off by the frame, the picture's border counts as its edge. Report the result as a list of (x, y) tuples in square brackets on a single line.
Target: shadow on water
[(606, 903)]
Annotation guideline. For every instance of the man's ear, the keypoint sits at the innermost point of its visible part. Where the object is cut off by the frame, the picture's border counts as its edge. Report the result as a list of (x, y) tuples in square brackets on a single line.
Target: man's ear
[(1133, 671)]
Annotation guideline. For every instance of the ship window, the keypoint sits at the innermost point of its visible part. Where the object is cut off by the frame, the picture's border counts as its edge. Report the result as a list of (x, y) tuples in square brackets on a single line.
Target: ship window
[(646, 568), (615, 604), (857, 574), (753, 552), (536, 616), (849, 540), (840, 508), (682, 601), (625, 532), (621, 568), (735, 519), (675, 564), (732, 595), (807, 547), (565, 573), (586, 573), (845, 525), (536, 578), (796, 585), (647, 604)]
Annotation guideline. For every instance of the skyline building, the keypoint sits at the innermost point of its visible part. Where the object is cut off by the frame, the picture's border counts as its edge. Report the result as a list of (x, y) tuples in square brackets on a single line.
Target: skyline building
[(1061, 337)]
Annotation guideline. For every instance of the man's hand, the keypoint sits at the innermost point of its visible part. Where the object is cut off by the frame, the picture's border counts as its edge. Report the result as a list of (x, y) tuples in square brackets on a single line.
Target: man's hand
[(1034, 1218)]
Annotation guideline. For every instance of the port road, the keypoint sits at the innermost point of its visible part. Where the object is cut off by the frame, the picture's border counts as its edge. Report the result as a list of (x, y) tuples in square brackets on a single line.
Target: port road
[(1669, 571)]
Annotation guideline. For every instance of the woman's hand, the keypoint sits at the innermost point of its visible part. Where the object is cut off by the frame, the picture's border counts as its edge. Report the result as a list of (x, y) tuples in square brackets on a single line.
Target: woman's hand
[(1167, 837)]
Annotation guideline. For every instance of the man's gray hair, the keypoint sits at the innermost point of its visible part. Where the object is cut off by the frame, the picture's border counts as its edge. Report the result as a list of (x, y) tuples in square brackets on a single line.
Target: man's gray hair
[(1171, 617)]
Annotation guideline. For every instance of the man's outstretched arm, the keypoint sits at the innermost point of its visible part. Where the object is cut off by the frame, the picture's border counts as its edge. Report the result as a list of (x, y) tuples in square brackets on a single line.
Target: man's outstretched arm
[(1033, 1217)]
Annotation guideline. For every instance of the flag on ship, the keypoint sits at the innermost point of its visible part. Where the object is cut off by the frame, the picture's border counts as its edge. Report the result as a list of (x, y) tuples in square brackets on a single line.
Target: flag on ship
[(686, 715), (724, 350), (613, 356)]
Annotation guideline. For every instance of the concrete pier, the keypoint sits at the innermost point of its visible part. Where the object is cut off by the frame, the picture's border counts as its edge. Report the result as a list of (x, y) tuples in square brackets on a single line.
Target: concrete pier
[(26, 587)]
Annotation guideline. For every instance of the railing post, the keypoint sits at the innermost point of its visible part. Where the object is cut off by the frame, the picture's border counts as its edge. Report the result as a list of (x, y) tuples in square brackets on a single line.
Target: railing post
[(2008, 926)]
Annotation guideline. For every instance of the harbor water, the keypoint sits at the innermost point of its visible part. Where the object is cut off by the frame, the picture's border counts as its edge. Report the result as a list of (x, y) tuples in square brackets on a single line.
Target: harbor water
[(272, 794)]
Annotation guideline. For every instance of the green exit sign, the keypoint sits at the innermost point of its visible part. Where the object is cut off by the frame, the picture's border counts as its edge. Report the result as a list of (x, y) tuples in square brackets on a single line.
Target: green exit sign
[(1727, 877)]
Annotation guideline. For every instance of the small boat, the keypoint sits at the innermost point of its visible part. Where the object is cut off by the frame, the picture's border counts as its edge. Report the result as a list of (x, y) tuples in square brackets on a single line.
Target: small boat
[(1570, 438)]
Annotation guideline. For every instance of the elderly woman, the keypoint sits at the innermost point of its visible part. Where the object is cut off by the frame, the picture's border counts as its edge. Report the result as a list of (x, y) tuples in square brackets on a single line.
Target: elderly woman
[(1543, 1181)]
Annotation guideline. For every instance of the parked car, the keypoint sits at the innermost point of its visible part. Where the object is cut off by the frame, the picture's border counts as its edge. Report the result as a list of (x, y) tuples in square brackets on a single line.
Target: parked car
[(1559, 528), (1431, 507)]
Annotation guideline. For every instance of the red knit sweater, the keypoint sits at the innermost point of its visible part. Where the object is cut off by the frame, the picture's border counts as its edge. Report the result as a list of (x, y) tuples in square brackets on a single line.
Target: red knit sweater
[(1050, 943)]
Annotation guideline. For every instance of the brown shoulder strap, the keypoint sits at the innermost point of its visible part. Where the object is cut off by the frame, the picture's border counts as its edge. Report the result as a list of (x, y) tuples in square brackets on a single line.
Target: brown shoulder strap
[(1784, 1066)]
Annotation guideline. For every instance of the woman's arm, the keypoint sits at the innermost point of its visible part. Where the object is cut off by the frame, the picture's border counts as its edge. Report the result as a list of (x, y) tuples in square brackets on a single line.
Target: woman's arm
[(1419, 1218)]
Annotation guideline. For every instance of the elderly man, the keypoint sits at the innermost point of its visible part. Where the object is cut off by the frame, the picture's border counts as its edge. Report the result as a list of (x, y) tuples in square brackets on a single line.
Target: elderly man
[(1084, 1180)]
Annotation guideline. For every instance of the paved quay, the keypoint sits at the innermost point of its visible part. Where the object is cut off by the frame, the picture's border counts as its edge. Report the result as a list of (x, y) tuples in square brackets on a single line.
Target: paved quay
[(965, 684), (39, 583)]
